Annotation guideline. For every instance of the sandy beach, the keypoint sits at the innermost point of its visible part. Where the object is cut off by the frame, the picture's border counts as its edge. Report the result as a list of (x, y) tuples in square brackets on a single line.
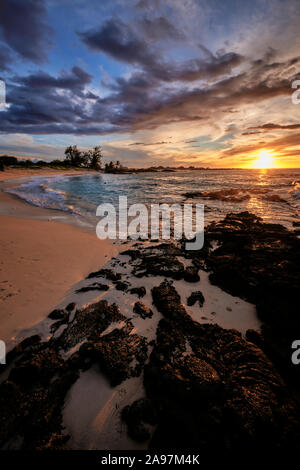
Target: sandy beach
[(41, 258)]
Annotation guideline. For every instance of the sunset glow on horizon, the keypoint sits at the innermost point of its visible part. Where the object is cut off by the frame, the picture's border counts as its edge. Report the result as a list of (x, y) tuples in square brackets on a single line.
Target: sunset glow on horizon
[(169, 85)]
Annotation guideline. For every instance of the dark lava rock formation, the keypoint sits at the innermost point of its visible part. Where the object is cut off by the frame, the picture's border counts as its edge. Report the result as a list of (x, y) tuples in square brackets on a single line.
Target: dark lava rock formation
[(261, 263), (209, 388), (161, 260), (236, 195), (32, 397)]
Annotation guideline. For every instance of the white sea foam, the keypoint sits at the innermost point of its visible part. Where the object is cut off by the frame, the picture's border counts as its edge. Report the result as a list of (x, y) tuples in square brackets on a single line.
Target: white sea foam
[(38, 193)]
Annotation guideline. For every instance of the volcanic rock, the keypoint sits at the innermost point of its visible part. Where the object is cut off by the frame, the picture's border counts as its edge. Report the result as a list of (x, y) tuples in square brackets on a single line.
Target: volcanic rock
[(142, 310), (196, 296)]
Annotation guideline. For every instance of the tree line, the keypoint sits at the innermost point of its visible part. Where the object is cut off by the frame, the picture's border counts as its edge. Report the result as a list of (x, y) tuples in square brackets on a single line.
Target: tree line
[(74, 157), (88, 159)]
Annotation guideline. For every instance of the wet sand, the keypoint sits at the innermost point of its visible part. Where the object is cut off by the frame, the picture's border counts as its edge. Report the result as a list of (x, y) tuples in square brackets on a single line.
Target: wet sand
[(11, 173)]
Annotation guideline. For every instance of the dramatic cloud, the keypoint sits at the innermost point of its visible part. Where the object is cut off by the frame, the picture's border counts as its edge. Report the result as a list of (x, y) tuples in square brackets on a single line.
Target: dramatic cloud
[(149, 110), (122, 43), (140, 102), (39, 99), (75, 81), (286, 145), (118, 40), (23, 27), (219, 84)]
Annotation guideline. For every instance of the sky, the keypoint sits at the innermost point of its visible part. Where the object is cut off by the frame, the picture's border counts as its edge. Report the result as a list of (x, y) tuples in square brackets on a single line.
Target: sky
[(153, 82)]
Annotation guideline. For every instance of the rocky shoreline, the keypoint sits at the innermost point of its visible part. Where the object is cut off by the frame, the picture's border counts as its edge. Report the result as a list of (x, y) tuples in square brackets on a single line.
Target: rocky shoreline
[(204, 386)]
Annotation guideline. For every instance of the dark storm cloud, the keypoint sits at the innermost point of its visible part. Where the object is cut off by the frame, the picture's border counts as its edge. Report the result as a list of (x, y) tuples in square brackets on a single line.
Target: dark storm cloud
[(119, 41), (40, 103), (23, 28), (149, 110), (36, 103), (43, 104), (77, 79), (122, 43), (137, 87), (196, 69)]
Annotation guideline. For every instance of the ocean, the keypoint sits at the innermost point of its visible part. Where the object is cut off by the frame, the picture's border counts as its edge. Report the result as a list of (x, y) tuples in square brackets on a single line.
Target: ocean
[(273, 194)]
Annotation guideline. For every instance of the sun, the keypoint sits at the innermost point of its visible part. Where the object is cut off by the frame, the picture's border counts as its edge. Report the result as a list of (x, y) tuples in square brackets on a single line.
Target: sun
[(264, 160)]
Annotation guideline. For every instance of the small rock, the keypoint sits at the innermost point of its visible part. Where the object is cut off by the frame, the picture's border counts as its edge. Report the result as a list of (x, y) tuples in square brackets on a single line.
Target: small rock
[(70, 307), (107, 273), (140, 291), (121, 285), (136, 415), (142, 310), (190, 274), (95, 286), (56, 314), (196, 296)]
